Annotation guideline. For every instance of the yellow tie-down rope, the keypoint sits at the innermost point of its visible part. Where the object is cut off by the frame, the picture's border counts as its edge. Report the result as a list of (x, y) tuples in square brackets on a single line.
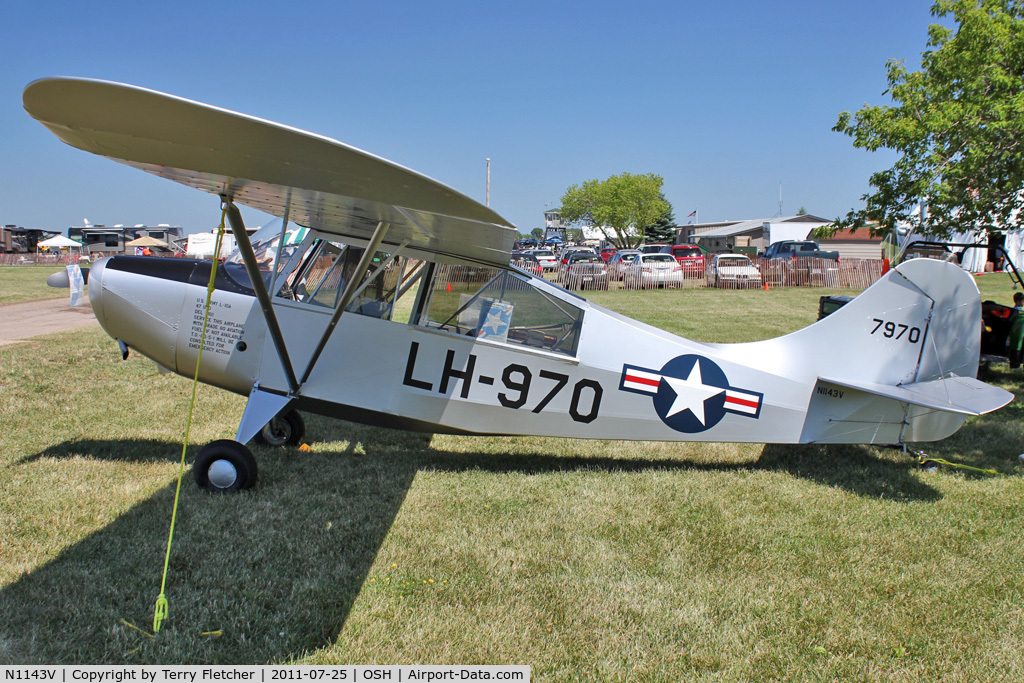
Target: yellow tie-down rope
[(160, 609)]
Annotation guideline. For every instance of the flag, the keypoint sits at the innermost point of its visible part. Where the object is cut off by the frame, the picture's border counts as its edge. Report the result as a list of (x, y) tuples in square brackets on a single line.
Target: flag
[(692, 214)]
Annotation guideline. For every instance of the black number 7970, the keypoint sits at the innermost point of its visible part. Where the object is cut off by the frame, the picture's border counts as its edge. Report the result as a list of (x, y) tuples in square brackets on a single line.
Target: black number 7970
[(891, 330)]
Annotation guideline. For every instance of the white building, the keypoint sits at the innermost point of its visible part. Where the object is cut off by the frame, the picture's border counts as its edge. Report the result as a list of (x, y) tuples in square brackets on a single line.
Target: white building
[(756, 233)]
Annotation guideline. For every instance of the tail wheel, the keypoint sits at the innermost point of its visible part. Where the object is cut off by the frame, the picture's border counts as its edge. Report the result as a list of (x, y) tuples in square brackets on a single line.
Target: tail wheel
[(287, 429), (225, 465)]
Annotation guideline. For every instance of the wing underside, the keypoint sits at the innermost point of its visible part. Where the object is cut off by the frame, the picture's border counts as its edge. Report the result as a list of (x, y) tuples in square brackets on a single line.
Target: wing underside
[(317, 182)]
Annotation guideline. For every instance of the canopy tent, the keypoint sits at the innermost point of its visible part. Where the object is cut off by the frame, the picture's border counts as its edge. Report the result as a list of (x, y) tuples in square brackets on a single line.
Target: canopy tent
[(971, 260), (59, 241), (1014, 247), (146, 241)]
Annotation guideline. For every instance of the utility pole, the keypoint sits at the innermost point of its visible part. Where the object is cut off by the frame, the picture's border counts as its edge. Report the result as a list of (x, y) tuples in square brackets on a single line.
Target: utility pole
[(488, 181)]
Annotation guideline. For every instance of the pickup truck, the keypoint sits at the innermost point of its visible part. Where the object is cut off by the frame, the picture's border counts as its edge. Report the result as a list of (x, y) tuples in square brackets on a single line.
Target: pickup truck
[(799, 248), (802, 262)]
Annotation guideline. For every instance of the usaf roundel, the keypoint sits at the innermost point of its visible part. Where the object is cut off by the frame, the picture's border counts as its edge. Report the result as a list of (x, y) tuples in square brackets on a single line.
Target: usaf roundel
[(691, 393)]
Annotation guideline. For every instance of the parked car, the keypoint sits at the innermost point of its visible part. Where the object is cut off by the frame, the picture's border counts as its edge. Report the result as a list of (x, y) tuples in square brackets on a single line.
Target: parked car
[(546, 257), (568, 251), (799, 249), (607, 253), (528, 262), (653, 270), (620, 261), (733, 271), (689, 256), (651, 248), (802, 263), (584, 271)]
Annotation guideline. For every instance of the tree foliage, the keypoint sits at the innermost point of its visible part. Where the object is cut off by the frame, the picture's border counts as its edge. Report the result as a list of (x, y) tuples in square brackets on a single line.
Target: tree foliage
[(664, 228), (958, 125), (620, 206)]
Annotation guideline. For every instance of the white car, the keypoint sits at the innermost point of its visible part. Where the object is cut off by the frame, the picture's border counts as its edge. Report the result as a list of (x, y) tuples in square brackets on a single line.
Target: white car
[(733, 271), (653, 270), (546, 257)]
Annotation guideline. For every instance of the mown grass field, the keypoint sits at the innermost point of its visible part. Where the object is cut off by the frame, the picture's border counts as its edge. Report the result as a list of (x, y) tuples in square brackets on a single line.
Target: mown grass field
[(606, 561), (27, 283)]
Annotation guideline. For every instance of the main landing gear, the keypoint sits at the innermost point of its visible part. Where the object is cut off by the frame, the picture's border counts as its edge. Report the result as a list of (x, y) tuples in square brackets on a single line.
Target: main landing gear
[(284, 430), (226, 465)]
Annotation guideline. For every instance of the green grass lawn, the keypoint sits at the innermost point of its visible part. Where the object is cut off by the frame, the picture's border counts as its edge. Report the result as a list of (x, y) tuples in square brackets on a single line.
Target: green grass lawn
[(27, 283), (606, 561)]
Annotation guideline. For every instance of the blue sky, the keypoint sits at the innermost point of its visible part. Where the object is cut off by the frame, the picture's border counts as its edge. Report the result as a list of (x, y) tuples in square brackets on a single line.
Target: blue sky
[(724, 100)]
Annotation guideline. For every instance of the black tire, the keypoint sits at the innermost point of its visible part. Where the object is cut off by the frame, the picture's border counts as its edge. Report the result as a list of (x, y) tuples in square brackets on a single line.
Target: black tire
[(225, 465), (287, 429)]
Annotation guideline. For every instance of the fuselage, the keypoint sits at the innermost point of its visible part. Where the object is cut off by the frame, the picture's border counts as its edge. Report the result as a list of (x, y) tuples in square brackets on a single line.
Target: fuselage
[(589, 374)]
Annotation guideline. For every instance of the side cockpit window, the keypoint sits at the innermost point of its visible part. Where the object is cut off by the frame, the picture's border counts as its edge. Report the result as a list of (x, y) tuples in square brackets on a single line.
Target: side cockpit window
[(502, 306)]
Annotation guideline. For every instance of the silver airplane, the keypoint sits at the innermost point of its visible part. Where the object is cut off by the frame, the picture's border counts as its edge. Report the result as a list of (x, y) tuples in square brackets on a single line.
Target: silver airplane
[(387, 298)]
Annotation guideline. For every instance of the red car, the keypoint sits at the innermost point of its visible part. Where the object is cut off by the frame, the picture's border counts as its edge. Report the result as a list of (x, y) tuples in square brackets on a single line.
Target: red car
[(608, 252), (689, 256)]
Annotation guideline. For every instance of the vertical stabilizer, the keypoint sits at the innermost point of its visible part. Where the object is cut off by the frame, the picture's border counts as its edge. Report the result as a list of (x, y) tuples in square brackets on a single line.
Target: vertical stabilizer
[(888, 367)]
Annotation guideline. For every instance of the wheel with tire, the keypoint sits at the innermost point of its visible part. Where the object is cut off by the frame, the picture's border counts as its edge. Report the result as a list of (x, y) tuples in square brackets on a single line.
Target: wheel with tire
[(287, 429), (225, 465)]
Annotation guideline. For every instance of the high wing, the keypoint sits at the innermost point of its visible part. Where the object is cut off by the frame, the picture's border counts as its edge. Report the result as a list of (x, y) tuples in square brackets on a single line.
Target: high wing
[(309, 179)]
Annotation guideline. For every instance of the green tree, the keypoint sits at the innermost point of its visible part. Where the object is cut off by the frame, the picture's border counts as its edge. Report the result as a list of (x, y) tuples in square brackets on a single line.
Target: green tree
[(958, 125), (619, 206), (537, 233), (664, 228)]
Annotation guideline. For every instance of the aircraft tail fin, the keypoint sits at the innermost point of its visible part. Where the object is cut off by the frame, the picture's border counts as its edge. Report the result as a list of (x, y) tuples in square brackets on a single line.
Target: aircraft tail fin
[(895, 364), (914, 337)]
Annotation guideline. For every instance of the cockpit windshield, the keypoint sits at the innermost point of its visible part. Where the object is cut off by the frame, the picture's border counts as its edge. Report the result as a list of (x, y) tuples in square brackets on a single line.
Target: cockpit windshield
[(267, 246)]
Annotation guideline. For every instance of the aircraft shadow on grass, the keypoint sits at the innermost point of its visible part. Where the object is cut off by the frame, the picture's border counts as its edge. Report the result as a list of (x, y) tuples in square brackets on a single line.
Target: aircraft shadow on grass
[(278, 570)]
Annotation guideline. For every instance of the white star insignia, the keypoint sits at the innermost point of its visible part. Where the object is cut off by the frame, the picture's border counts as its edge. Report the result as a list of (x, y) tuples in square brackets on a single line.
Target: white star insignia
[(495, 322), (691, 393)]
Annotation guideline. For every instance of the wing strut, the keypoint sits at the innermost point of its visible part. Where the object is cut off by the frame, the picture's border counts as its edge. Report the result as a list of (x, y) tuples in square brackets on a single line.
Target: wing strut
[(346, 296), (280, 243), (251, 267)]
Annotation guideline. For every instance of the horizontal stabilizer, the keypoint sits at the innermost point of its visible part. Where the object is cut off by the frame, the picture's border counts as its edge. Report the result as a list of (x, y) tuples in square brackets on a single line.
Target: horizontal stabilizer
[(963, 395)]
